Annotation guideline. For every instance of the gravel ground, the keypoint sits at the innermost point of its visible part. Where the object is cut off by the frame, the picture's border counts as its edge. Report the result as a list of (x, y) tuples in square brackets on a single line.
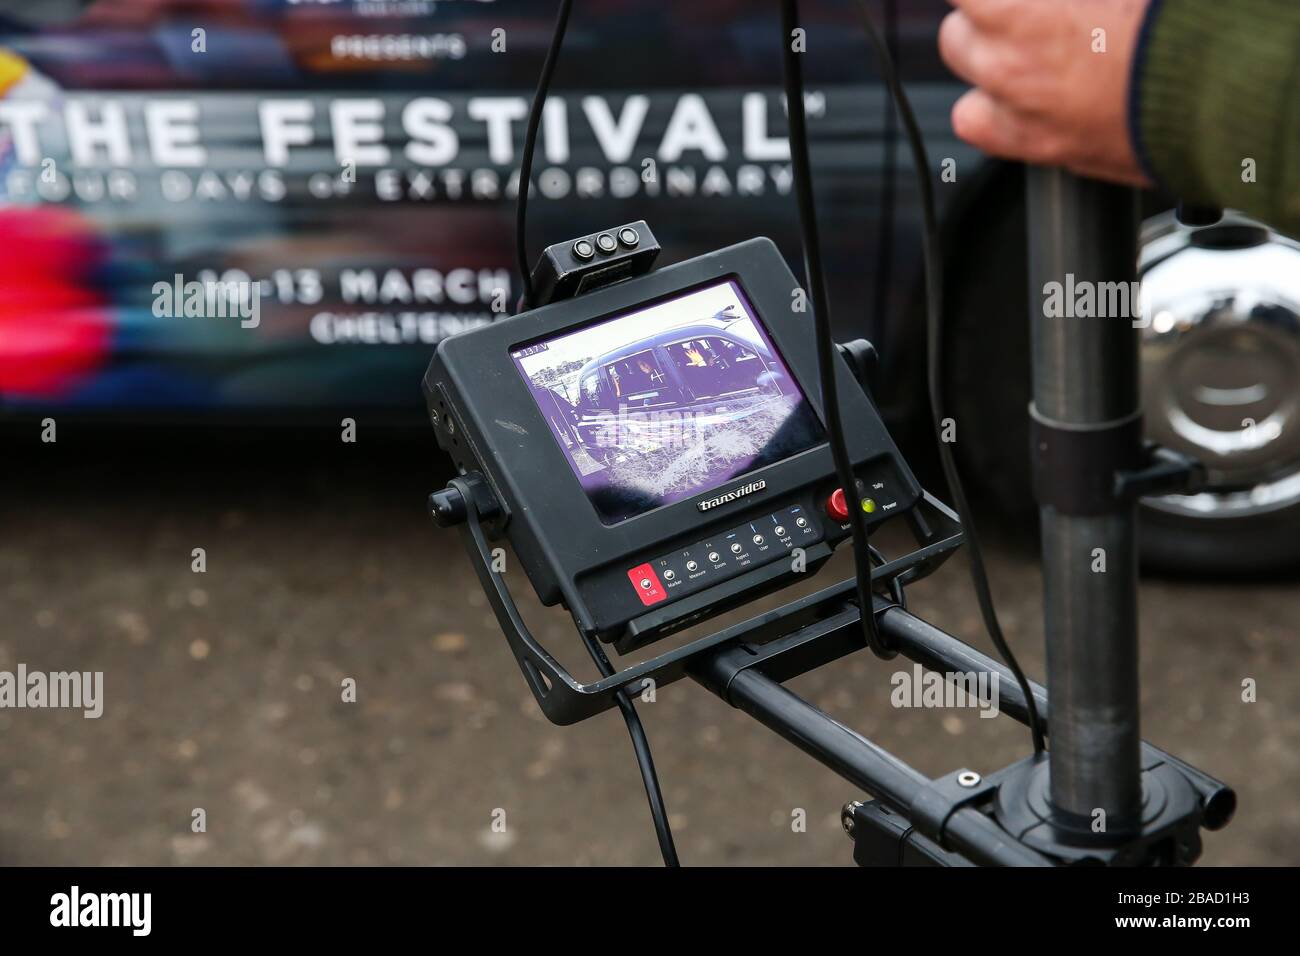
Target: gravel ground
[(223, 690)]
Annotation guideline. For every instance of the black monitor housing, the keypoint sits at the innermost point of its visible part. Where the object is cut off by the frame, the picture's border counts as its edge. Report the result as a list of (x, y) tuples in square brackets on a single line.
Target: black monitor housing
[(631, 571)]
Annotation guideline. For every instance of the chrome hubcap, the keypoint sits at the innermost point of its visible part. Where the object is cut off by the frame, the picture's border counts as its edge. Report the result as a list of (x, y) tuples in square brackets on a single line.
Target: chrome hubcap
[(1221, 361)]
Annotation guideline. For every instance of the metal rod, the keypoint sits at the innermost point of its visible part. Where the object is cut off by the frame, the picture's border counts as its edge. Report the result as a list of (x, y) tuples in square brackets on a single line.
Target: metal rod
[(1085, 376), (941, 652), (855, 758)]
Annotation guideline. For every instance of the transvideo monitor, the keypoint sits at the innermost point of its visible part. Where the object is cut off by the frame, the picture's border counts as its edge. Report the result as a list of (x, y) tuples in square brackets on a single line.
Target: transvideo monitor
[(658, 447)]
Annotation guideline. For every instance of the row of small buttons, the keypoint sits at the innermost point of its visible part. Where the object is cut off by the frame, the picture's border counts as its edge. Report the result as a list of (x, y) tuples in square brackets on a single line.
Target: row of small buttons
[(724, 556)]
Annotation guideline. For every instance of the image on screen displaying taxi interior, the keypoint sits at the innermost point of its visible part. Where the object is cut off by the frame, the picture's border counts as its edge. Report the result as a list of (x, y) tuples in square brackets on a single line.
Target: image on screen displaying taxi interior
[(679, 397)]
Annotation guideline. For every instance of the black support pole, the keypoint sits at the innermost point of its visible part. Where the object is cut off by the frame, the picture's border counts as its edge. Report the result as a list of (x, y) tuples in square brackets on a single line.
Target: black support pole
[(1086, 408)]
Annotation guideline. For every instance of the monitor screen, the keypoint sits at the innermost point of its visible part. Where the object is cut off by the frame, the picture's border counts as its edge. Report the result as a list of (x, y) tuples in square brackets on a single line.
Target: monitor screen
[(656, 405)]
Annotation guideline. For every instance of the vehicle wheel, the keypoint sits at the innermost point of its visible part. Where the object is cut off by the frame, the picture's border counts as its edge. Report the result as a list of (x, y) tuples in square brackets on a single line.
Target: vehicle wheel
[(986, 353), (1221, 381)]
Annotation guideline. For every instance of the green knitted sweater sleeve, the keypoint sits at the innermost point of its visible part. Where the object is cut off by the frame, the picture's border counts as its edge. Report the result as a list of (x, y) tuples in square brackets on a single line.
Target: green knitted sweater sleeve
[(1215, 104)]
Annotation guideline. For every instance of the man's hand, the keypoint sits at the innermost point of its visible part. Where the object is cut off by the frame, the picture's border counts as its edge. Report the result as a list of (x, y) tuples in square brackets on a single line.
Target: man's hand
[(1044, 91)]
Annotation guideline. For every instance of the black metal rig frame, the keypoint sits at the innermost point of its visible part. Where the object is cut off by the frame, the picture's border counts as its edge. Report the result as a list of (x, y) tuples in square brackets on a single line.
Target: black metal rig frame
[(913, 819), (1100, 794), (565, 700)]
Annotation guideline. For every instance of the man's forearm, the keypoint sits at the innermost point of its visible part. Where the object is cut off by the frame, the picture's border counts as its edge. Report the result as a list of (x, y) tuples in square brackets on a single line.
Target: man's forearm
[(1215, 108)]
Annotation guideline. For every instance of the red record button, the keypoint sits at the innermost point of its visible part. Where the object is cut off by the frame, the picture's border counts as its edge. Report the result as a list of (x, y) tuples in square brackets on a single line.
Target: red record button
[(837, 506), (647, 585)]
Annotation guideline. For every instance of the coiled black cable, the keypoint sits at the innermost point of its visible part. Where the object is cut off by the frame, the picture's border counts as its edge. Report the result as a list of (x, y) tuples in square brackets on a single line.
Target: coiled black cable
[(826, 352), (530, 145), (644, 759), (635, 729), (933, 265)]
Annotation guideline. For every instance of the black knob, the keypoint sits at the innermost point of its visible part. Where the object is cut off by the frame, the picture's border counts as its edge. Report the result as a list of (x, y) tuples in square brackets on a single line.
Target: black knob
[(447, 507)]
